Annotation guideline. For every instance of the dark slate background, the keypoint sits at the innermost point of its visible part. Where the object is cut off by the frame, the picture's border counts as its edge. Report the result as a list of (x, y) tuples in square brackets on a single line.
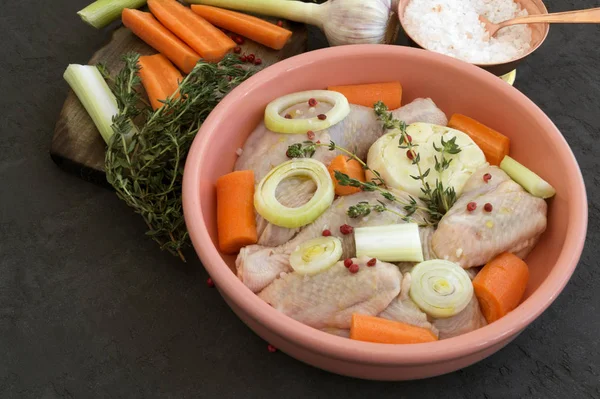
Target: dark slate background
[(90, 308)]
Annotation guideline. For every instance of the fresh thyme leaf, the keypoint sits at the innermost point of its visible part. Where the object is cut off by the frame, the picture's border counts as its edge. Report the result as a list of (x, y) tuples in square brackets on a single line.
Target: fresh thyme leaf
[(440, 199), (144, 160)]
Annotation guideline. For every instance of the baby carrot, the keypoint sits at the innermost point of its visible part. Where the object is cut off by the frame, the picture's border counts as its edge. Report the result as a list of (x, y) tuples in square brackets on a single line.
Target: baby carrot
[(500, 285), (376, 329), (493, 144), (159, 78), (147, 28), (350, 167), (210, 42), (236, 224), (389, 93), (257, 29)]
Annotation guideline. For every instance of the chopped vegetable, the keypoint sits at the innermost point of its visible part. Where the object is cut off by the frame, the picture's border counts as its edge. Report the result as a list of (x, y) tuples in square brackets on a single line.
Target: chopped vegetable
[(235, 211), (531, 182), (102, 12), (257, 29), (389, 243), (316, 255), (159, 78), (342, 21), (378, 330), (494, 145), (207, 40), (500, 285), (146, 168), (279, 124), (95, 96), (440, 288), (349, 167), (266, 203), (368, 94), (147, 28)]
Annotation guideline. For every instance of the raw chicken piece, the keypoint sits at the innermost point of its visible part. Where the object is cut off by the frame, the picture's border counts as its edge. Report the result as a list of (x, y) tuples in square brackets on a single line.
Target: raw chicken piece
[(466, 321), (473, 238), (265, 149), (328, 299), (403, 309), (257, 265)]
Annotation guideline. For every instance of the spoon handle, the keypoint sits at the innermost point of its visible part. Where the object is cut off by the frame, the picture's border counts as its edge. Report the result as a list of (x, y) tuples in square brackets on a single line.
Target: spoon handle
[(589, 16)]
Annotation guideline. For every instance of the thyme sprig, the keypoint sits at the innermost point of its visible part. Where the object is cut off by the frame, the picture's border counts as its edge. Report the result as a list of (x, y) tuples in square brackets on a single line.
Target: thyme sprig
[(438, 199), (146, 155)]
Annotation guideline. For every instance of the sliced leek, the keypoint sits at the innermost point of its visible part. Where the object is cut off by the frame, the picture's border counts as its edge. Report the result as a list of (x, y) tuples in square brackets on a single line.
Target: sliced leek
[(316, 255), (391, 243), (279, 124), (440, 288), (102, 12), (266, 203), (95, 95), (531, 182)]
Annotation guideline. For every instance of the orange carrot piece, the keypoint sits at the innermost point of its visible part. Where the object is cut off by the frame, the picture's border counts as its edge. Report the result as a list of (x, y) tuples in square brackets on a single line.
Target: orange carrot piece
[(389, 93), (235, 211), (210, 42), (159, 77), (351, 167), (376, 329), (147, 28), (494, 145), (257, 29), (500, 285)]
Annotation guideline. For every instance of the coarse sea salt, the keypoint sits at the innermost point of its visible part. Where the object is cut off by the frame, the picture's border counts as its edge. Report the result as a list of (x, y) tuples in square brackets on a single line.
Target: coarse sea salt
[(452, 27)]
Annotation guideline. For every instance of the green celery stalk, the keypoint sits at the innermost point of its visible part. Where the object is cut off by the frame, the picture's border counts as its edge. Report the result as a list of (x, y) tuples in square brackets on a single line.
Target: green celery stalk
[(95, 95), (102, 12)]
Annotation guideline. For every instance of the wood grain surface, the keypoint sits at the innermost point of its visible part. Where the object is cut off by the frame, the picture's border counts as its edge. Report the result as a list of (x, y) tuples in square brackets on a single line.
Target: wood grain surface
[(77, 145)]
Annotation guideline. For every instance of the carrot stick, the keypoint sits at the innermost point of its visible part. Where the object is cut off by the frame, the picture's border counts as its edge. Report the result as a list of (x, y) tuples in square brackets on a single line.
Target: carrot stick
[(493, 144), (376, 329), (389, 93), (348, 166), (257, 29), (235, 211), (500, 285), (147, 28), (159, 77), (210, 42)]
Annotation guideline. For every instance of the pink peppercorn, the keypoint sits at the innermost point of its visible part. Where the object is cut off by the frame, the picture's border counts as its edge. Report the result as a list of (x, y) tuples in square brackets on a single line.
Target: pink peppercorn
[(348, 262), (487, 177), (280, 23), (322, 117), (250, 57), (372, 262), (312, 102), (353, 268), (488, 207), (257, 61), (346, 229), (271, 348), (326, 233), (410, 154), (310, 134), (238, 39), (471, 206), (210, 283)]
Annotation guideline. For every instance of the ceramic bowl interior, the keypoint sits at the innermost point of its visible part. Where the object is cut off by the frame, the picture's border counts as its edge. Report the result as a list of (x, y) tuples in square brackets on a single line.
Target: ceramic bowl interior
[(455, 87), (539, 32)]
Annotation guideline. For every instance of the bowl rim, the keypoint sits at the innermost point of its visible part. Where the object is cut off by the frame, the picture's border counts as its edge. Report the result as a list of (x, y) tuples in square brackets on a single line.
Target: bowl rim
[(482, 65), (365, 352)]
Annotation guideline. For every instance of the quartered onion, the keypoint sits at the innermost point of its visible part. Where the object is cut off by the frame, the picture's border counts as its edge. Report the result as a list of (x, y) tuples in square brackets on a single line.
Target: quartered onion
[(277, 123), (440, 288), (316, 255), (267, 205)]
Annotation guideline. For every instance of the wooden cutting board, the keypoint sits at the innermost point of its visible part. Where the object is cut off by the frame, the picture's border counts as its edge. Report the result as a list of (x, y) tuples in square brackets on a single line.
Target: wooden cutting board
[(77, 145)]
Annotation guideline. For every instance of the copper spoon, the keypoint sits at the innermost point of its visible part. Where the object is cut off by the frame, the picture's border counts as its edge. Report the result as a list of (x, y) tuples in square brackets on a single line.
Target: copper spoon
[(589, 16)]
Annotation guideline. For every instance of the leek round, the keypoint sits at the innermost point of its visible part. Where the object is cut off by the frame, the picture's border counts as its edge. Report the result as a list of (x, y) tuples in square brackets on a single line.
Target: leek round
[(440, 288), (396, 168), (316, 255), (279, 124), (267, 205)]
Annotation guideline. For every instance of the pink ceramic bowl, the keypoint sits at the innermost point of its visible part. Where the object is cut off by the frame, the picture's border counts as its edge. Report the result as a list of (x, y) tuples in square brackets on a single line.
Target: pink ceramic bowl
[(455, 86)]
